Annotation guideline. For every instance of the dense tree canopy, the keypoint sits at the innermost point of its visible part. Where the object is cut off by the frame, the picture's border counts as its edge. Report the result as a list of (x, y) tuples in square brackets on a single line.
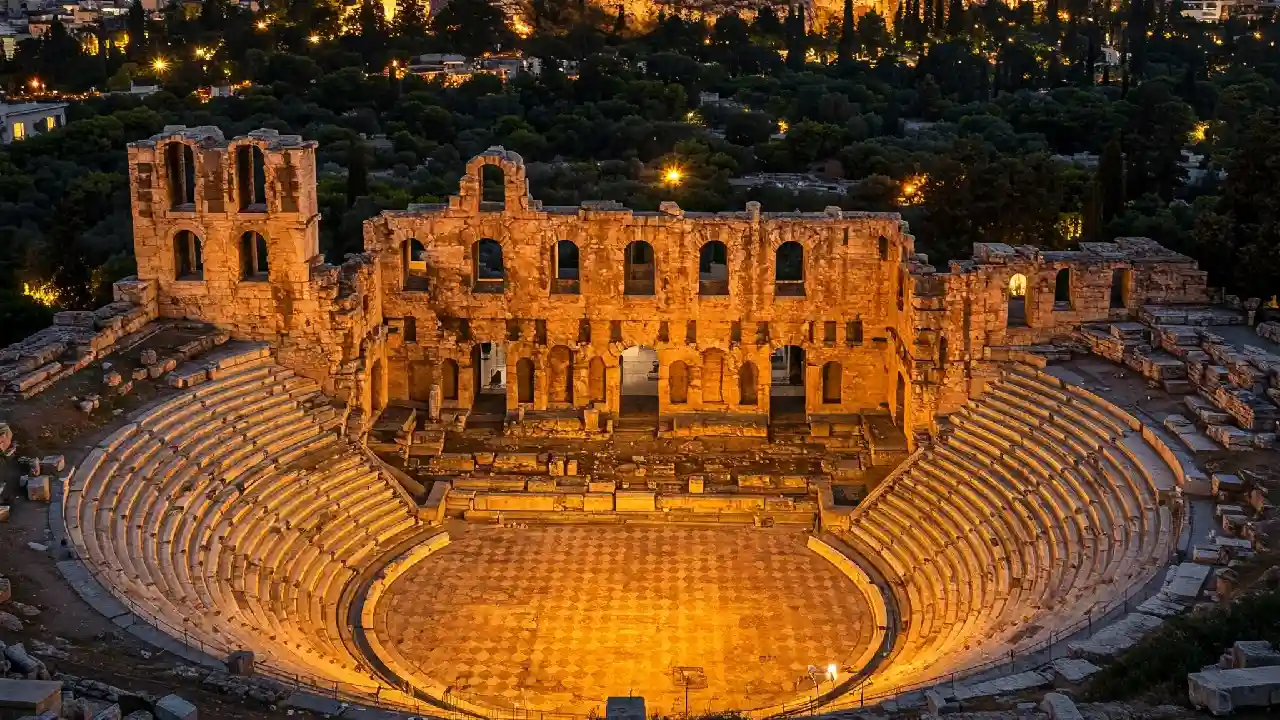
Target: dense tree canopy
[(971, 122)]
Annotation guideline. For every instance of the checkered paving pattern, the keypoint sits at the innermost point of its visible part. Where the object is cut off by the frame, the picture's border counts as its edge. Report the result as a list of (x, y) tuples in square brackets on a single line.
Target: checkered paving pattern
[(559, 618)]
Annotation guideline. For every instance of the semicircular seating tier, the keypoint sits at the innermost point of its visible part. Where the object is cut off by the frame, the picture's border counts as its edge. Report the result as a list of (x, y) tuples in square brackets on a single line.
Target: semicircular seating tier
[(1042, 504), (236, 515)]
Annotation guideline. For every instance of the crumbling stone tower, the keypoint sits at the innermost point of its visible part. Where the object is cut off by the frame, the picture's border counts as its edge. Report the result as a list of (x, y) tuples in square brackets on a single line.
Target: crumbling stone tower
[(228, 232)]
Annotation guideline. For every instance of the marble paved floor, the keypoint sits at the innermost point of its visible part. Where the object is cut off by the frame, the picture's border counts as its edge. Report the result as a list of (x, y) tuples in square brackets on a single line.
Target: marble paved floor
[(558, 618)]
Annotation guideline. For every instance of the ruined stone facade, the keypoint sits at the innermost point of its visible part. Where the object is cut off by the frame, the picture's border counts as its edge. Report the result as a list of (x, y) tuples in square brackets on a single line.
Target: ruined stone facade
[(743, 312)]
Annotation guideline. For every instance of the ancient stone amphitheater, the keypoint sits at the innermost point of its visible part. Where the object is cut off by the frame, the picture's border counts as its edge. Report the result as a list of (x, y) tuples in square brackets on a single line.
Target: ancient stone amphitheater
[(336, 491)]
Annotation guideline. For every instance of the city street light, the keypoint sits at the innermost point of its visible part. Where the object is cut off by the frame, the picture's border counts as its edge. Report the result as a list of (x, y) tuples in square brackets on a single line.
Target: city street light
[(672, 175), (159, 64), (313, 39)]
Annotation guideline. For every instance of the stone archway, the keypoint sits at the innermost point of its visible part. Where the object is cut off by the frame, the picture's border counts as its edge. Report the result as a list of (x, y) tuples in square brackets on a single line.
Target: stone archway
[(639, 382)]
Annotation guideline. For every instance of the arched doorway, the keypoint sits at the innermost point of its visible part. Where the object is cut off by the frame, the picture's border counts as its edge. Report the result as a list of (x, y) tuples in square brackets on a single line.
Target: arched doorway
[(639, 381), (560, 376), (377, 387), (449, 379), (678, 383), (786, 384), (832, 379), (747, 394), (596, 384), (489, 379), (524, 380), (1017, 301)]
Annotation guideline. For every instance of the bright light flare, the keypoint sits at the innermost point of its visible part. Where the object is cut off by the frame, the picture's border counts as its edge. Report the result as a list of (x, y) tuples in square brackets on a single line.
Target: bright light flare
[(159, 64), (912, 188), (672, 175), (832, 672), (262, 25), (1199, 132), (521, 28), (313, 39), (783, 126), (44, 293)]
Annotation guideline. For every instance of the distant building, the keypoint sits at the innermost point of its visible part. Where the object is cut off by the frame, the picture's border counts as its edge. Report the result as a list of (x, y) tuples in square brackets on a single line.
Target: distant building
[(22, 120), (1207, 10)]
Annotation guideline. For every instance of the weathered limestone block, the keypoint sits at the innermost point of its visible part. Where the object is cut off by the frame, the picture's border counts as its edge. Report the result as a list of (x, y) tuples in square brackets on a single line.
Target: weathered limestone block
[(75, 318), (601, 486), (1226, 483), (451, 463), (755, 480), (30, 697), (1269, 330), (1253, 653), (1114, 639), (518, 463), (511, 501), (695, 484), (1222, 692), (1060, 707), (598, 502), (635, 501), (39, 488), (543, 485), (30, 380)]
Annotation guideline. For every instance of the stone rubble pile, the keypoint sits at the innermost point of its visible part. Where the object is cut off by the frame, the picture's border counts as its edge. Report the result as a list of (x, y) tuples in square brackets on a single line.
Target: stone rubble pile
[(78, 338), (1232, 393)]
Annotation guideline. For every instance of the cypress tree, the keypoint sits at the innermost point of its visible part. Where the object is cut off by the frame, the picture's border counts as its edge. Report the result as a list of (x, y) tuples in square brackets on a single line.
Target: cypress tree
[(357, 172), (620, 23), (955, 18), (1110, 181), (846, 33)]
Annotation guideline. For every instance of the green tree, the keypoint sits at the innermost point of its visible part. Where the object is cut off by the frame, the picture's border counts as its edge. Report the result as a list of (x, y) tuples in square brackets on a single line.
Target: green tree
[(357, 172), (847, 33), (410, 20), (472, 27), (1109, 181), (136, 27)]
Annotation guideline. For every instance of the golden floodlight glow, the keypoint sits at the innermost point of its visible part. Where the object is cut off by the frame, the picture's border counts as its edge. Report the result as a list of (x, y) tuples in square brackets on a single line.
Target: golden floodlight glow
[(783, 126), (159, 64), (1199, 132), (35, 83), (911, 188), (313, 39), (262, 24), (44, 293), (521, 28), (832, 672), (672, 175)]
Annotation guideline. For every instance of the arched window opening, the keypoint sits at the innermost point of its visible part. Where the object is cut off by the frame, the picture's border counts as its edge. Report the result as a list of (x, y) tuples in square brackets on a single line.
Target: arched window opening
[(713, 269), (942, 351), (1062, 290), (251, 178), (524, 380), (1120, 280), (713, 376), (884, 248), (639, 278), (747, 394), (493, 188), (187, 258), (560, 389), (567, 277), (787, 384), (180, 164), (678, 382), (253, 256), (1017, 301), (449, 379), (415, 265), (490, 273), (788, 271), (832, 378), (596, 381), (902, 288)]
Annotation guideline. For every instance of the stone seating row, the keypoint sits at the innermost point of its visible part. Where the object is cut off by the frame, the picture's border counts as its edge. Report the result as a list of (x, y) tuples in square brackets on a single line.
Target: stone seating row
[(1038, 505), (235, 514)]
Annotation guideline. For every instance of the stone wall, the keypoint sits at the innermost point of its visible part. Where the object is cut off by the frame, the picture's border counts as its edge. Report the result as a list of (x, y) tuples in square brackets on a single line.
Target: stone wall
[(879, 328), (593, 320), (194, 240)]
